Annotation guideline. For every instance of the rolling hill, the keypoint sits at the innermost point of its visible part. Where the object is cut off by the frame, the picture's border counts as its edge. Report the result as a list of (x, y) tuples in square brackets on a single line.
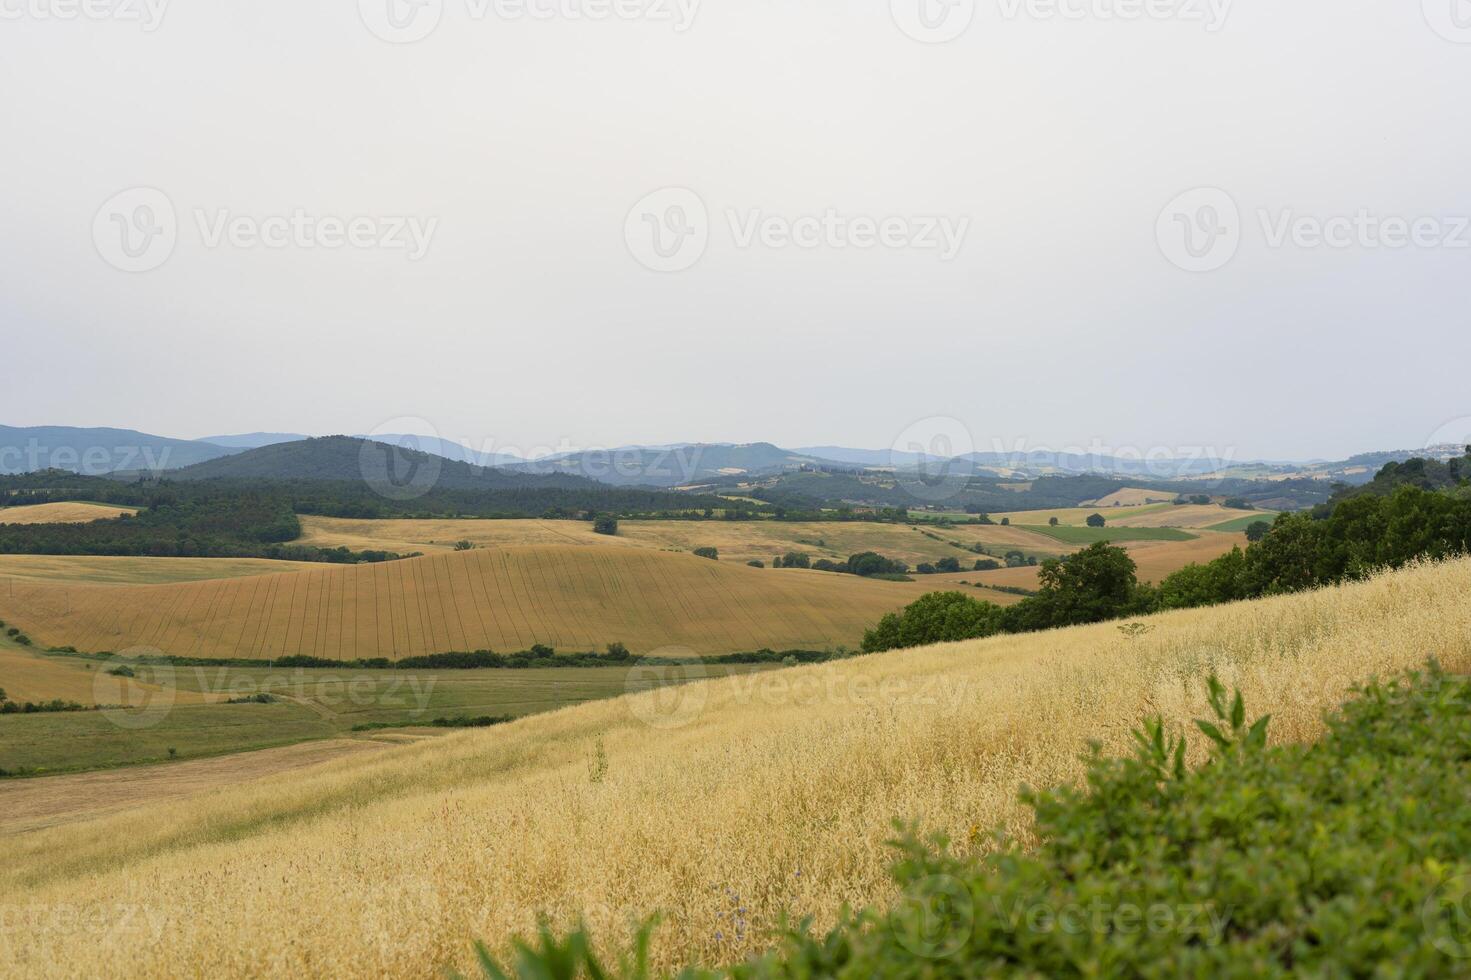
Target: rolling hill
[(67, 512), (742, 800), (346, 458), (576, 599)]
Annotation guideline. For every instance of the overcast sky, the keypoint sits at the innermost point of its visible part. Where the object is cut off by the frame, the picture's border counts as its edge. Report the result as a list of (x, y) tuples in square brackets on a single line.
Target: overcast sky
[(1001, 234)]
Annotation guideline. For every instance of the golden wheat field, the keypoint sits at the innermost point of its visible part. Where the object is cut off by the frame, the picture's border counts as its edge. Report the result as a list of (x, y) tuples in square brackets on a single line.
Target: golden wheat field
[(132, 571), (737, 541), (752, 796), (61, 513), (506, 599)]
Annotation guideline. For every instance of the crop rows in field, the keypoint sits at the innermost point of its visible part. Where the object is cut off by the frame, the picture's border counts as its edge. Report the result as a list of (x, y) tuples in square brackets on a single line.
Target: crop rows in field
[(572, 598)]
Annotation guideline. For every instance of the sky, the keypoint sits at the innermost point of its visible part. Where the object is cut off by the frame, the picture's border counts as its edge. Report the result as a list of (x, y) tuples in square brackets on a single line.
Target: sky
[(527, 224)]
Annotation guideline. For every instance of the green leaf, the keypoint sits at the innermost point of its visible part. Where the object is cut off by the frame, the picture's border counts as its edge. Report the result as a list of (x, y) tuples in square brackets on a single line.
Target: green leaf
[(1213, 733)]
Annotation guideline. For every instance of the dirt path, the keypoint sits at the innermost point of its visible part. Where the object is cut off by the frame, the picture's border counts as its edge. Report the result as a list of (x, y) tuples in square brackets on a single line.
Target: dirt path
[(48, 801)]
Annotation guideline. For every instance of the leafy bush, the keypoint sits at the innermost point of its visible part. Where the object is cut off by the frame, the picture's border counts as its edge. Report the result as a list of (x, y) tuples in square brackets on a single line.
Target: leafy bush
[(711, 553), (1097, 520), (1092, 585), (261, 698), (1349, 857), (756, 563), (605, 524)]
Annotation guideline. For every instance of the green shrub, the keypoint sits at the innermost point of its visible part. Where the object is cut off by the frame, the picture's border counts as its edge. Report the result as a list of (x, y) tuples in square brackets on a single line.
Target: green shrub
[(1347, 858), (711, 553)]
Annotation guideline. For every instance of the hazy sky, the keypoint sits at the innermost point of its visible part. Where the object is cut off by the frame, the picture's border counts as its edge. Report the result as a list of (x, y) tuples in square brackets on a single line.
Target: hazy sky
[(990, 237)]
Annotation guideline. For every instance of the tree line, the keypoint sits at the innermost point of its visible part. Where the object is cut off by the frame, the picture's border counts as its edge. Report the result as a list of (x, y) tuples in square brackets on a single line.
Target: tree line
[(1360, 535)]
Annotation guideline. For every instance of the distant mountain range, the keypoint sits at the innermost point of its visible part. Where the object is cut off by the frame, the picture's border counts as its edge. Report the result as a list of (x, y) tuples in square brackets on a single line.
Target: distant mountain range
[(673, 466), (98, 451)]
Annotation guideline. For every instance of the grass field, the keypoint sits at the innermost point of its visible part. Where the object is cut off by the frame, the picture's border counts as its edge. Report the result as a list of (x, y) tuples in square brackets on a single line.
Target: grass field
[(759, 797), (506, 599), (61, 513), (1119, 535), (738, 542), (184, 708)]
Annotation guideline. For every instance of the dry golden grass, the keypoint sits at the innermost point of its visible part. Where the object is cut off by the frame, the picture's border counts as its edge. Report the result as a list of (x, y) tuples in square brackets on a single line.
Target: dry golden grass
[(775, 796), (737, 541), (1134, 497), (573, 598), (133, 571), (62, 513)]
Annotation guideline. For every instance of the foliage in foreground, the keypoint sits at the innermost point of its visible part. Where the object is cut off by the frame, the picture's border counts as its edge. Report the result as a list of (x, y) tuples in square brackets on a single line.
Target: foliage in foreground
[(1349, 857)]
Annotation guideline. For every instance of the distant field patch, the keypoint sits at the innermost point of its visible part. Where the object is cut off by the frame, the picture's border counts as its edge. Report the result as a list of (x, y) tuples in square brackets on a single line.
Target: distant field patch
[(1076, 516), (1117, 535), (1242, 523), (62, 513), (1185, 515), (1135, 497), (133, 571), (26, 675)]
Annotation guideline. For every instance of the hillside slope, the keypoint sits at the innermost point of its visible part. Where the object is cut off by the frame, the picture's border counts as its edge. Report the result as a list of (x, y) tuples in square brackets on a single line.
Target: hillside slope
[(505, 599), (724, 804), (399, 467)]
